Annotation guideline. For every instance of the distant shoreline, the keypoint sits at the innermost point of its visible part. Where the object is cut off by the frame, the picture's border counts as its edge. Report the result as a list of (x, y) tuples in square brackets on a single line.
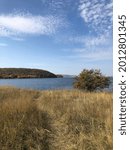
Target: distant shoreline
[(26, 73)]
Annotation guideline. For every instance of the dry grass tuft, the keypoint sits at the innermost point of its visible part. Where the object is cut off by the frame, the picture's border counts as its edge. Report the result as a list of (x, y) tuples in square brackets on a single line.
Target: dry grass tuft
[(55, 120)]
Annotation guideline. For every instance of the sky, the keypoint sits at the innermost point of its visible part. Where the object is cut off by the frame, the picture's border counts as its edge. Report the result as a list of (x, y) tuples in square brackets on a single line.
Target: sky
[(61, 36)]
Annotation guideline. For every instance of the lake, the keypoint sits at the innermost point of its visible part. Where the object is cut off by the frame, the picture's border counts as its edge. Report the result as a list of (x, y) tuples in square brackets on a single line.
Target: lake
[(42, 83), (39, 83)]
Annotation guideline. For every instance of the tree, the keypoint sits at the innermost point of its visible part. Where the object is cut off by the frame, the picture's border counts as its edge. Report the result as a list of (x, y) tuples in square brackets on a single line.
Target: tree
[(91, 80)]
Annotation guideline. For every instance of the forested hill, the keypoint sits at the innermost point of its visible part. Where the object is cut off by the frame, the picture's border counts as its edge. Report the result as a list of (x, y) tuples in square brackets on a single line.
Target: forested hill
[(11, 73)]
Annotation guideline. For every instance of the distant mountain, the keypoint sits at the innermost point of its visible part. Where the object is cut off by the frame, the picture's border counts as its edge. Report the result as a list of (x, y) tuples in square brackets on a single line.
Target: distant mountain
[(69, 76), (59, 76), (11, 73)]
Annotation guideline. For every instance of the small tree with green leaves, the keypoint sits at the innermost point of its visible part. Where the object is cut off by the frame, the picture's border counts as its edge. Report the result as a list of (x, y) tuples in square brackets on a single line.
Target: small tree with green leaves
[(91, 80)]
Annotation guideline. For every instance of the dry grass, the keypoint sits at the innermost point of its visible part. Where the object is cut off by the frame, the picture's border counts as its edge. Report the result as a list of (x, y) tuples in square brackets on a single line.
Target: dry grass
[(55, 120)]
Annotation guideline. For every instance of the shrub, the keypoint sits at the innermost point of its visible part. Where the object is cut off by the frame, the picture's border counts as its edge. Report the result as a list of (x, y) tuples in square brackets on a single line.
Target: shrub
[(91, 80)]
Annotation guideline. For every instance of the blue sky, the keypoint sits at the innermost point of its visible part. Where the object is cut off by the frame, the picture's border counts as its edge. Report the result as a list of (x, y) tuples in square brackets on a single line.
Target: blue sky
[(61, 36)]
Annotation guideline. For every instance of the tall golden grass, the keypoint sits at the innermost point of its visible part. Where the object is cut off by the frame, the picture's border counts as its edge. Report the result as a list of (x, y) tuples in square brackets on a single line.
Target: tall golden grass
[(55, 120)]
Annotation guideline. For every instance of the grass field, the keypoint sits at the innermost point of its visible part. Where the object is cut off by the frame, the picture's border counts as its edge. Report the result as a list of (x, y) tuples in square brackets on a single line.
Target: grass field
[(55, 120)]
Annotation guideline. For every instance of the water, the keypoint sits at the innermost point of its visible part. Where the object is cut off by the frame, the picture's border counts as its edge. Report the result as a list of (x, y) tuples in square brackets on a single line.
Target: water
[(43, 83), (39, 83)]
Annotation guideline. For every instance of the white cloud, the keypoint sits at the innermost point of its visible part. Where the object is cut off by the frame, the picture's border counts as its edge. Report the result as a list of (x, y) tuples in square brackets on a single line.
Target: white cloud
[(101, 54), (97, 54), (97, 14), (91, 41), (60, 7), (25, 24), (54, 3), (92, 48), (3, 44)]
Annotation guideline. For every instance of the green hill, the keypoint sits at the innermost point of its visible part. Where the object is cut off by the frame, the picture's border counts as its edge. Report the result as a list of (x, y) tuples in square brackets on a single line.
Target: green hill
[(11, 73)]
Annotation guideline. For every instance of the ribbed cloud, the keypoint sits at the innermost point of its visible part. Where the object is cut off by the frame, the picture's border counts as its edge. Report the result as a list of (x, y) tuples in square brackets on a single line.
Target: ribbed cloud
[(97, 14)]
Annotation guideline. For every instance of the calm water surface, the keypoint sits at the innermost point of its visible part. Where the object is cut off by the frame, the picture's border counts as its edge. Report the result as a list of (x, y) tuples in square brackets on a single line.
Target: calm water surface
[(40, 84)]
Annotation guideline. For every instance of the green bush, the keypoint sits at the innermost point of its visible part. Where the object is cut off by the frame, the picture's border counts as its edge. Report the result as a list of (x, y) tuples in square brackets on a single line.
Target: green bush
[(91, 80)]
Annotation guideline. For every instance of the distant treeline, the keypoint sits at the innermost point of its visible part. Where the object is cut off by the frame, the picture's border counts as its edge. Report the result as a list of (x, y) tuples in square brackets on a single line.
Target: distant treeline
[(11, 73)]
